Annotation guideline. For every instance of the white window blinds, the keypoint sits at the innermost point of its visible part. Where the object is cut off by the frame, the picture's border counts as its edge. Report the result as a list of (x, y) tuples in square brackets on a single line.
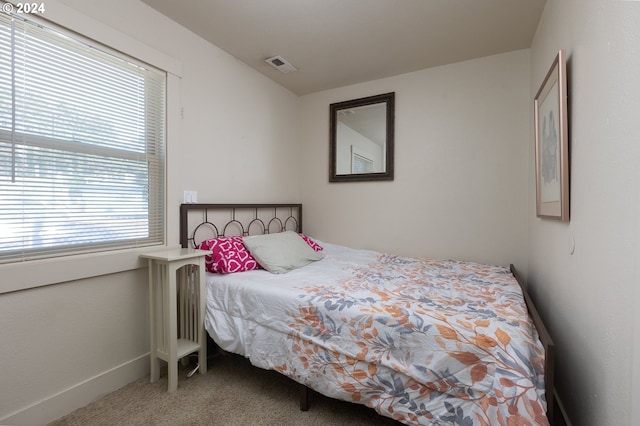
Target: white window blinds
[(82, 143)]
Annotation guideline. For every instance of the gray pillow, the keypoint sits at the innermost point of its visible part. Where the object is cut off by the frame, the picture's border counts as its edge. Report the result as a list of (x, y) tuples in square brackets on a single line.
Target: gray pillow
[(281, 252)]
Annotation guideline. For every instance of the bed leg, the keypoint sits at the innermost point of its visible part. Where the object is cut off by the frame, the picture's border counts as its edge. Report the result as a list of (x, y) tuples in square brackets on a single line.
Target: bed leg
[(304, 398)]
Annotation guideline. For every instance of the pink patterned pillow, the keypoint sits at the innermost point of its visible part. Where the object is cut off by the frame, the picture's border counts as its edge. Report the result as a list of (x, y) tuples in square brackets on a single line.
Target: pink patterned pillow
[(315, 246), (228, 255)]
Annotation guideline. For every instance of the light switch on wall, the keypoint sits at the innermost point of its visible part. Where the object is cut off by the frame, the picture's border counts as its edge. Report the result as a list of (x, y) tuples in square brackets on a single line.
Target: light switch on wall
[(190, 197)]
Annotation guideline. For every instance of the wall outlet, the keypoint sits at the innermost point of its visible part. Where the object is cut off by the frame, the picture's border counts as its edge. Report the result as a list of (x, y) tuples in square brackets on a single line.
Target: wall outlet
[(190, 197)]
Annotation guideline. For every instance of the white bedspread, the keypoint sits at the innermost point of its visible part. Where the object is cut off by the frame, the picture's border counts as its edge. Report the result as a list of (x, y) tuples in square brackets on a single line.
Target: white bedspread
[(238, 303), (424, 341)]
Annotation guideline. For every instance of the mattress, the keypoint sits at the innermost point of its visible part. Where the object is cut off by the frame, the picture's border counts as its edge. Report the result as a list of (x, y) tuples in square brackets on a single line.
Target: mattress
[(423, 341)]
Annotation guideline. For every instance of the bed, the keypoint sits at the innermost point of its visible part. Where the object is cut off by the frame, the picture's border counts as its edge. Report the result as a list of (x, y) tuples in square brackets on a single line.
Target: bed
[(423, 341)]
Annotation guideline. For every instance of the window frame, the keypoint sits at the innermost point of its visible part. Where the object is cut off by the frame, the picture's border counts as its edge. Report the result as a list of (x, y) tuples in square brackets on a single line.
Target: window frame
[(50, 154), (42, 272)]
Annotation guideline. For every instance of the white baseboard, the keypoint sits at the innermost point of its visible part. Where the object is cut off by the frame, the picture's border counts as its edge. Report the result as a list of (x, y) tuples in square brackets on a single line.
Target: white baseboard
[(79, 395)]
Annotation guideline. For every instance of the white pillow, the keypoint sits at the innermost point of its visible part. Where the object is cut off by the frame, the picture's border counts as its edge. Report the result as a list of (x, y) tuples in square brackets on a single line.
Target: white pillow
[(281, 252)]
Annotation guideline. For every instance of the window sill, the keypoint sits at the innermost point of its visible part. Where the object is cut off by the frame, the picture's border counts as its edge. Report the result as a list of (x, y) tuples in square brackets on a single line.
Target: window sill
[(39, 273)]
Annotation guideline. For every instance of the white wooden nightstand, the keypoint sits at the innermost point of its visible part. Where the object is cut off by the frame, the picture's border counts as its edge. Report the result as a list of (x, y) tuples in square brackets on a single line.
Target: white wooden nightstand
[(176, 308)]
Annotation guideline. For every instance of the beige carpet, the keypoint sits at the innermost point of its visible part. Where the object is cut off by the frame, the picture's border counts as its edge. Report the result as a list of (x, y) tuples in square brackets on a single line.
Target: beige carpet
[(231, 393)]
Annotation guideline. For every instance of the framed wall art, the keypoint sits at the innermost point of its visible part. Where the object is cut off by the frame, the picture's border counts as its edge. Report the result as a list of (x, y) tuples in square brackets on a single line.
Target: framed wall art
[(552, 143)]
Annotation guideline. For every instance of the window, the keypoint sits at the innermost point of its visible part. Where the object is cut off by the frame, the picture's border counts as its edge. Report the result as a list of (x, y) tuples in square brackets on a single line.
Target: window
[(82, 145), (360, 164)]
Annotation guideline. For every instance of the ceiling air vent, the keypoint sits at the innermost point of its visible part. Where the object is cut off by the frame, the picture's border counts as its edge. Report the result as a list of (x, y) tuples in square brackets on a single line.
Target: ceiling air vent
[(279, 63)]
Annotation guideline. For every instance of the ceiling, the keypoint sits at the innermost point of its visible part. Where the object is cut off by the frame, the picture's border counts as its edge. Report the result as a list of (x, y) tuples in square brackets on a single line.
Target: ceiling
[(369, 120), (335, 43)]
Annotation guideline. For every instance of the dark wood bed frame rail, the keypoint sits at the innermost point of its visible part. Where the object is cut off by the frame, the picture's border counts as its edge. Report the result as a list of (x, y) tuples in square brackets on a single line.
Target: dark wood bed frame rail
[(547, 343), (545, 337)]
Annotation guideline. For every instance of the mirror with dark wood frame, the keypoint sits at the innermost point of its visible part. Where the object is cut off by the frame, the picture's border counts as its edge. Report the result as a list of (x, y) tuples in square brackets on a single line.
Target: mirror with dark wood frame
[(361, 139)]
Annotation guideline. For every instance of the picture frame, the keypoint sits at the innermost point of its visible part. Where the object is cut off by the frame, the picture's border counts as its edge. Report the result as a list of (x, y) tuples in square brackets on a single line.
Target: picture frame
[(552, 143)]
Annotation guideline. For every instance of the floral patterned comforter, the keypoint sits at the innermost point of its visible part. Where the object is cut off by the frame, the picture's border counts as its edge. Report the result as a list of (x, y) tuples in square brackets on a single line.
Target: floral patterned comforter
[(427, 342)]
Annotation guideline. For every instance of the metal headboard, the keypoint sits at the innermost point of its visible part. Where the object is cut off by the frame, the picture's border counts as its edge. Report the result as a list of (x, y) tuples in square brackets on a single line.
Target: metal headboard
[(242, 219)]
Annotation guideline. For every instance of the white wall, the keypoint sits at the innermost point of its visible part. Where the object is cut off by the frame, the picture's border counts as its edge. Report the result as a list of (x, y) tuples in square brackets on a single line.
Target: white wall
[(590, 299), (69, 343), (461, 147)]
